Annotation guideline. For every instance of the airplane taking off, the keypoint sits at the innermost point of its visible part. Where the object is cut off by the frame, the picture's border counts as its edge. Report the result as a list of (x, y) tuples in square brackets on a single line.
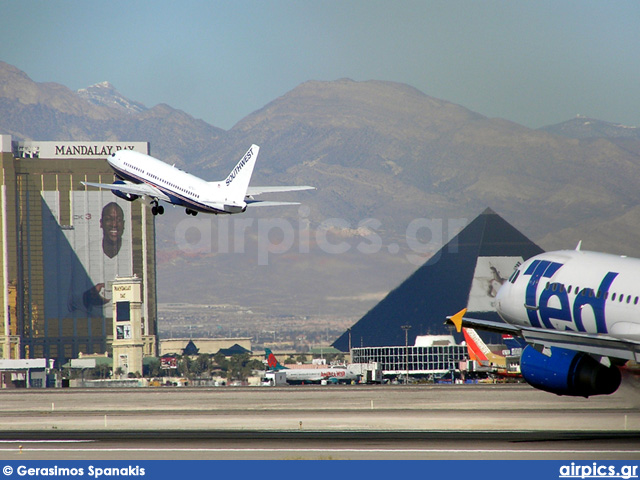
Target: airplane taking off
[(579, 312), (333, 373), (141, 175)]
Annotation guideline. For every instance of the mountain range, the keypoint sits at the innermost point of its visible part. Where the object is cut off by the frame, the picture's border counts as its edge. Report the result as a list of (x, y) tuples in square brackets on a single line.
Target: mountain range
[(398, 173)]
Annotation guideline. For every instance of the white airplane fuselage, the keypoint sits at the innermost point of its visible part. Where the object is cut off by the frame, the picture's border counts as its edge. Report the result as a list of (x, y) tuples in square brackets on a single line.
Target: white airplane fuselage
[(573, 290), (180, 187), (316, 375)]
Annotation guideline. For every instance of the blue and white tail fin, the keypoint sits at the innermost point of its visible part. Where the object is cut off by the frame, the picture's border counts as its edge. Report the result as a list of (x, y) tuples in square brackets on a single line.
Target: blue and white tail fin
[(237, 182), (272, 361)]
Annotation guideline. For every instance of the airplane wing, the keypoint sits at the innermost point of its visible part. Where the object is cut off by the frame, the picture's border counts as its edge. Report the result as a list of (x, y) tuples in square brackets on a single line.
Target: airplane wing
[(459, 320), (598, 345), (295, 188), (140, 189)]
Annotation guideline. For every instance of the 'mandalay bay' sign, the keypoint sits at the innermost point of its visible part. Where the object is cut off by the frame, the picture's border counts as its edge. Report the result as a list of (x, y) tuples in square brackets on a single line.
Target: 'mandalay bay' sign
[(75, 149)]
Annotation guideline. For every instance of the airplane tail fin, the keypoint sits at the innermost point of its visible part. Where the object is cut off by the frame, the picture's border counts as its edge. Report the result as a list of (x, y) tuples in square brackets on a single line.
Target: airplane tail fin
[(237, 182), (479, 351), (272, 361)]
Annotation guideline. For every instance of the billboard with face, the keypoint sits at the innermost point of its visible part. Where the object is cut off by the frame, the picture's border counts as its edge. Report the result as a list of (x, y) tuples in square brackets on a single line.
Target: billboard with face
[(81, 259)]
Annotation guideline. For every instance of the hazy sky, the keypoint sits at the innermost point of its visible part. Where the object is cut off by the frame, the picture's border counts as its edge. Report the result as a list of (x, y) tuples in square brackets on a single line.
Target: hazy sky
[(534, 62)]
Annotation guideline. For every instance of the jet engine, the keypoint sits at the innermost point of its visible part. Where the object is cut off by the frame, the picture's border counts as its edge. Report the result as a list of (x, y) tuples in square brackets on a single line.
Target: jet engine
[(567, 372), (129, 197)]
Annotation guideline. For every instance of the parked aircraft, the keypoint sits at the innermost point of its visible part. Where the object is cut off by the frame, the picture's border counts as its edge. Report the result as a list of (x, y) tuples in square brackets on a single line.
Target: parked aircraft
[(480, 353), (332, 374), (578, 311), (141, 175)]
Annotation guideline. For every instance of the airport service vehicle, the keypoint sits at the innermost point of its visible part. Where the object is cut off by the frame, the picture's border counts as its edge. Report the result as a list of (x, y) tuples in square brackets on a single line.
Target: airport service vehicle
[(578, 311), (330, 374), (139, 175)]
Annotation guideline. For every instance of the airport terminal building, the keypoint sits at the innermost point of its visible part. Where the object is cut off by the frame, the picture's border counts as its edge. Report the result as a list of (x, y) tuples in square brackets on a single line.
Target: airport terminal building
[(431, 355), (62, 245)]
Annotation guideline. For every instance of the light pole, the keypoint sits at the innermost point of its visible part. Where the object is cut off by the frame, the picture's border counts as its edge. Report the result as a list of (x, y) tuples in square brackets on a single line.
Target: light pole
[(406, 351)]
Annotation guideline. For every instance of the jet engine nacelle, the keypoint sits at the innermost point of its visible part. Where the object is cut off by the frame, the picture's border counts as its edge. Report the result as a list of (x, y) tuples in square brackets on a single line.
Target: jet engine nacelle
[(129, 197), (227, 208), (235, 208), (567, 372)]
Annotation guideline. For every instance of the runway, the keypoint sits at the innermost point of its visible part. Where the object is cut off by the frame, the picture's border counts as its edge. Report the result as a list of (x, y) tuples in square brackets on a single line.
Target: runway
[(308, 422)]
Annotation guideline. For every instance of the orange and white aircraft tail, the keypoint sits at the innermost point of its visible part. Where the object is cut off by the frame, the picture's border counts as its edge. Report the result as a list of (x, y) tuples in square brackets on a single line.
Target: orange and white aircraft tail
[(479, 351)]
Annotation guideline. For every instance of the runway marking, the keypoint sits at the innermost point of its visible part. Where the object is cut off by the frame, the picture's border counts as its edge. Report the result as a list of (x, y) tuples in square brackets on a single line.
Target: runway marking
[(46, 441), (317, 450)]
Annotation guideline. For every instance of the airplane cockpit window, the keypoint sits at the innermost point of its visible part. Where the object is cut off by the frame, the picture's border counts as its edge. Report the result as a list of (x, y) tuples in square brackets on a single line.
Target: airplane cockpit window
[(514, 276)]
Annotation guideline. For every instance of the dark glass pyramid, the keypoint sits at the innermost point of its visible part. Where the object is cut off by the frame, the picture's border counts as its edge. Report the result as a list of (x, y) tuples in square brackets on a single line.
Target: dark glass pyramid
[(190, 349), (442, 286)]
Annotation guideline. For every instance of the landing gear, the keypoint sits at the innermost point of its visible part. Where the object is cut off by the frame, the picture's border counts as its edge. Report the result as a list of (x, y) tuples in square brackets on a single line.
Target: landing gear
[(157, 209), (188, 211)]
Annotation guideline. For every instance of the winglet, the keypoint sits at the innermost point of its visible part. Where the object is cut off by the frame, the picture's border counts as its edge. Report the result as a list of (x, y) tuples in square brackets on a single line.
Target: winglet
[(579, 246), (457, 319)]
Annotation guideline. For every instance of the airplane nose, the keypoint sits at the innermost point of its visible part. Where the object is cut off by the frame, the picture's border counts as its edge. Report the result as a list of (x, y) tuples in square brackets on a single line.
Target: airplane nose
[(501, 295)]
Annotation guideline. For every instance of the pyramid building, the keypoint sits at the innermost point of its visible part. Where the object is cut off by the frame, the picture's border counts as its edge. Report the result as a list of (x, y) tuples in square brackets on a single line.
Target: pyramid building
[(466, 272)]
